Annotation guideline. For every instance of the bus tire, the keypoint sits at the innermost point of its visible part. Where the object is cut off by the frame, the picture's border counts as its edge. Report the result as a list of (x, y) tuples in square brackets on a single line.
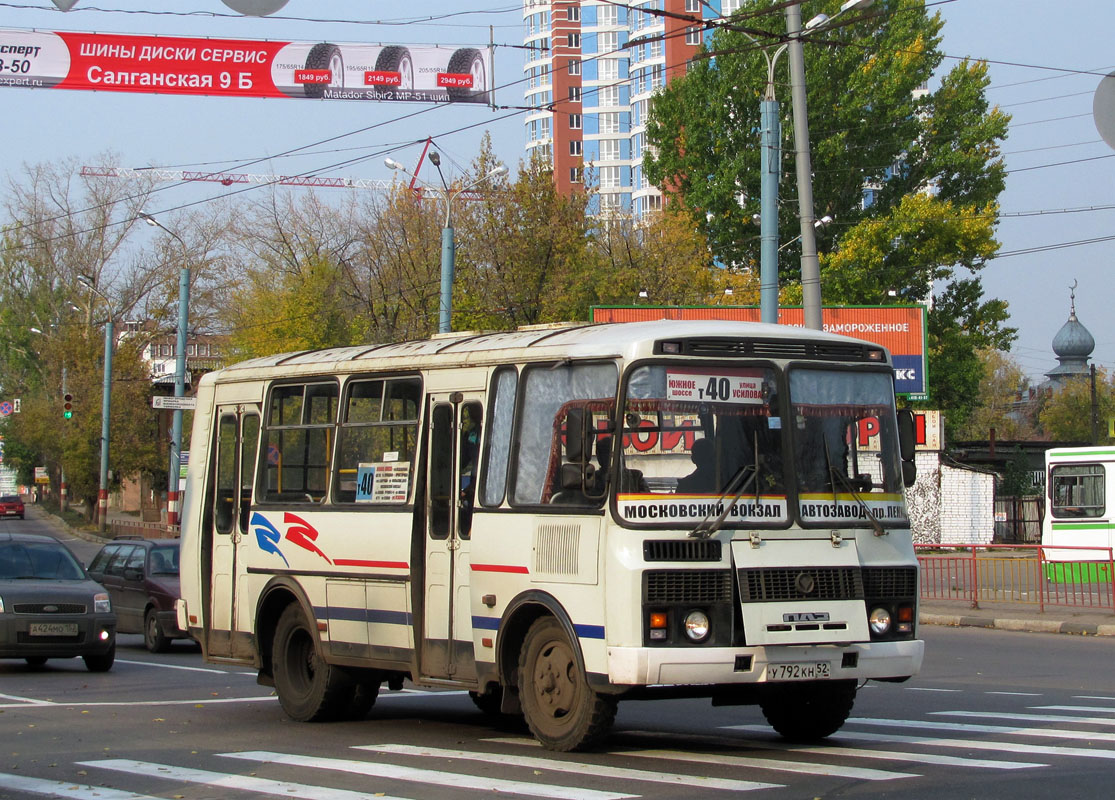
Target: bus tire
[(807, 712), (363, 698), (561, 709), (309, 688)]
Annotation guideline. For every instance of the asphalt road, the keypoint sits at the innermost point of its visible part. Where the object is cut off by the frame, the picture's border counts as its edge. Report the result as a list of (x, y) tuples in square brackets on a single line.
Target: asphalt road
[(994, 714)]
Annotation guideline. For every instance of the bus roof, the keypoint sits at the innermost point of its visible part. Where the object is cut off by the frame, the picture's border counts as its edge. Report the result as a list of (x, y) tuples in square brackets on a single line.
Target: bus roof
[(538, 342)]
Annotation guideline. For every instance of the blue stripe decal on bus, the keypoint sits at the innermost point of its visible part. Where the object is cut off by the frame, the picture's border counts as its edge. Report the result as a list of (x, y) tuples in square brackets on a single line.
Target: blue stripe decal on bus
[(583, 631), (589, 631), (363, 615)]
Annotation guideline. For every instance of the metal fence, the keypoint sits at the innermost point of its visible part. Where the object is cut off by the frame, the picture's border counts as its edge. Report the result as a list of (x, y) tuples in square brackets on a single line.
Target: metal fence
[(144, 530), (1018, 574)]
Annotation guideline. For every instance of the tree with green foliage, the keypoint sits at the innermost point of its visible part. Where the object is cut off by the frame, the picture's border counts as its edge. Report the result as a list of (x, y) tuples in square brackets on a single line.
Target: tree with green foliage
[(1066, 416), (1002, 402), (927, 162)]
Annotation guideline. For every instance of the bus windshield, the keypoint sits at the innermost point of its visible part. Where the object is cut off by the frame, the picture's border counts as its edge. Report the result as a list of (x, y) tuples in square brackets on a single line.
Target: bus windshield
[(695, 438), (845, 447)]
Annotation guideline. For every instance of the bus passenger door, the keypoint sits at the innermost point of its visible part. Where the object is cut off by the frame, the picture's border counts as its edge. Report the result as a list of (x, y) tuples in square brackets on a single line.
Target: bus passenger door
[(226, 522), (454, 437)]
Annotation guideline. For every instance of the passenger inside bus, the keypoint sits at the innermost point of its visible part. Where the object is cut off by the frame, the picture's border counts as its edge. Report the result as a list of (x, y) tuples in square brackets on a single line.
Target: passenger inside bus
[(702, 480)]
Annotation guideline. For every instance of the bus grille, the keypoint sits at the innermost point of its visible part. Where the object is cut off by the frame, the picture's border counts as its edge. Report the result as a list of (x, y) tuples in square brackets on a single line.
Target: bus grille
[(48, 608), (890, 582), (687, 586), (800, 583), (682, 550)]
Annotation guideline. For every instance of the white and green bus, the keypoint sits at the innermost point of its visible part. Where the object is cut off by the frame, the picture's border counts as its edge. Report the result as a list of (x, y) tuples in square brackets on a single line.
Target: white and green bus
[(558, 518), (1078, 534)]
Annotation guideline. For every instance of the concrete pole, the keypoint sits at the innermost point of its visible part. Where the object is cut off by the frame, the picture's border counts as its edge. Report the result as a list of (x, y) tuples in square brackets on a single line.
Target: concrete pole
[(106, 407), (810, 266), (771, 154), (173, 481), (448, 254)]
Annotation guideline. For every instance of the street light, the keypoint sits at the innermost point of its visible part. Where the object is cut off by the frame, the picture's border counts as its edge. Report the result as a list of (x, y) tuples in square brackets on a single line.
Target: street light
[(810, 265), (448, 246), (106, 405), (173, 481)]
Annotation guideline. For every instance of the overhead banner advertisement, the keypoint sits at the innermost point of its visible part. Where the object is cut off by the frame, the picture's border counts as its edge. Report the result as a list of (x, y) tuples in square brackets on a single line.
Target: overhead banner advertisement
[(243, 67), (900, 329)]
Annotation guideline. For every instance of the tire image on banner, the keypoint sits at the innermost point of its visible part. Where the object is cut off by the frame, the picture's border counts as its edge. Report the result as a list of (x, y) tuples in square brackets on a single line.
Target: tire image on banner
[(243, 68)]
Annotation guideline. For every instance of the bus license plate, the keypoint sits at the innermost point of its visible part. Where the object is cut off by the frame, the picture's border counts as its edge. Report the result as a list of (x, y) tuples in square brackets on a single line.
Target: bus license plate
[(53, 629), (798, 672)]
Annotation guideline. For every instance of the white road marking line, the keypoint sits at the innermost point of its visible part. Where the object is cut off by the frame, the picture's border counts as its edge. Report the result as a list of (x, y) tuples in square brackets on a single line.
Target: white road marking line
[(1093, 697), (1073, 708), (24, 783), (186, 669), (1027, 717), (843, 750), (578, 768), (967, 744), (109, 703), (225, 781), (1044, 733), (858, 773), (928, 689), (430, 777), (1017, 694), (23, 701)]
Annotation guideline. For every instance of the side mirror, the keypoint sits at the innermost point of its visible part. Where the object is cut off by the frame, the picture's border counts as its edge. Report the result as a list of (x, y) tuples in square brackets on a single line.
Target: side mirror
[(909, 473), (576, 435), (906, 434)]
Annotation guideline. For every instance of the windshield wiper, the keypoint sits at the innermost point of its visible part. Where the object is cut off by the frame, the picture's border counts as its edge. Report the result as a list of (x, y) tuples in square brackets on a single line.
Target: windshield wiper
[(744, 476), (836, 475)]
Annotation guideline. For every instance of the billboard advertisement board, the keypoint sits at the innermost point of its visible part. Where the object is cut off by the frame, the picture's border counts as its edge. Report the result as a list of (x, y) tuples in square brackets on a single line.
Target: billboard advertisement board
[(243, 67), (900, 329)]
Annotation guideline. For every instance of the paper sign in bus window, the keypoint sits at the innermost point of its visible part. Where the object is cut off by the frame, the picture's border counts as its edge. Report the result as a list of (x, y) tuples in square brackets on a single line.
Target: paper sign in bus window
[(720, 386), (382, 482)]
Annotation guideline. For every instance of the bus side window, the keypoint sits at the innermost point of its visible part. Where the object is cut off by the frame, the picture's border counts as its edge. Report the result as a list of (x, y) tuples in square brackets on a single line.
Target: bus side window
[(504, 387), (224, 502), (249, 442), (470, 425)]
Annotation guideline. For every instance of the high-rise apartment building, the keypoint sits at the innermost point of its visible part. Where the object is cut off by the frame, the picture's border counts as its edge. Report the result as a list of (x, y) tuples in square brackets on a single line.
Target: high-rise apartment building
[(591, 68)]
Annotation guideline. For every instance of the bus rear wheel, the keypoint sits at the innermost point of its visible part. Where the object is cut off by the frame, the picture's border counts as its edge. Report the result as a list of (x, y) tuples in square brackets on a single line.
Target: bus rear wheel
[(806, 712), (561, 709), (309, 688)]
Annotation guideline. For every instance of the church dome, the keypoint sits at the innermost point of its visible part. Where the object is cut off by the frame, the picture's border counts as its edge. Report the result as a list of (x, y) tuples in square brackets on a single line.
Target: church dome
[(1073, 340)]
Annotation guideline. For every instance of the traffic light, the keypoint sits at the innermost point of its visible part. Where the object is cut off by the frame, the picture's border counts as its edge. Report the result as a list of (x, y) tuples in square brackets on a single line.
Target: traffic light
[(67, 406)]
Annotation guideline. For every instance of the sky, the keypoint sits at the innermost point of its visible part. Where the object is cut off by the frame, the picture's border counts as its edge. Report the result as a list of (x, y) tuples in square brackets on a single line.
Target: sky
[(1045, 60)]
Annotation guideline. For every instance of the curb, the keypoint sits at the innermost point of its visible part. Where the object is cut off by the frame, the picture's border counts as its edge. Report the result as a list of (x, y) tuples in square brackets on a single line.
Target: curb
[(1024, 625), (60, 524)]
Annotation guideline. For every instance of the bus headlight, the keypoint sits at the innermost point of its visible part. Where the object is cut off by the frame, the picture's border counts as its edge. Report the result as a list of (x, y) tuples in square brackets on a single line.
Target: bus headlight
[(696, 626), (879, 621)]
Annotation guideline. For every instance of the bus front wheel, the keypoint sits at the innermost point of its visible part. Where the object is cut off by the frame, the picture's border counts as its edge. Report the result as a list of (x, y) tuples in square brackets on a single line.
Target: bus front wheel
[(805, 712), (309, 688), (561, 709)]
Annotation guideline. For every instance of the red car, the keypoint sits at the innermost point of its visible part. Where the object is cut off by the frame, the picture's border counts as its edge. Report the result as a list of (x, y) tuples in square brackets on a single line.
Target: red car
[(11, 505)]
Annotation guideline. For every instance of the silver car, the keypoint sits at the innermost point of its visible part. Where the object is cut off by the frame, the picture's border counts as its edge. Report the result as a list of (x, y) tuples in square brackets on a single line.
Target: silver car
[(50, 607)]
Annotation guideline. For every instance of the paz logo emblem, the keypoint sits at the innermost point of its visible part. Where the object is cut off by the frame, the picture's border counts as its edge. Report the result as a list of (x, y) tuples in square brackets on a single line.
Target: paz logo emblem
[(805, 583)]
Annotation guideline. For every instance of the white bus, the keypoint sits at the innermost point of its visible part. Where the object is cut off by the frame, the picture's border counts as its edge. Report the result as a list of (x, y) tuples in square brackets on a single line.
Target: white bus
[(1078, 481), (558, 518)]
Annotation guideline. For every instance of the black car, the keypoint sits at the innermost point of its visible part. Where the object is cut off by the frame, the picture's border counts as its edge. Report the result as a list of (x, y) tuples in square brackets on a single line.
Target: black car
[(141, 576), (50, 607)]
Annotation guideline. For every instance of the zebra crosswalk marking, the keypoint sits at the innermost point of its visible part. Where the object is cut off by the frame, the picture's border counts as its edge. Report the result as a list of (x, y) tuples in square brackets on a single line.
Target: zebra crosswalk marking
[(1102, 721), (578, 768), (429, 776), (831, 770), (963, 727), (223, 780), (68, 789)]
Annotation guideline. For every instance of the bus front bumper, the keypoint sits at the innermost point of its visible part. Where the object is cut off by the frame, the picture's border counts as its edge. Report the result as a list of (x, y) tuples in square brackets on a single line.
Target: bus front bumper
[(645, 666)]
